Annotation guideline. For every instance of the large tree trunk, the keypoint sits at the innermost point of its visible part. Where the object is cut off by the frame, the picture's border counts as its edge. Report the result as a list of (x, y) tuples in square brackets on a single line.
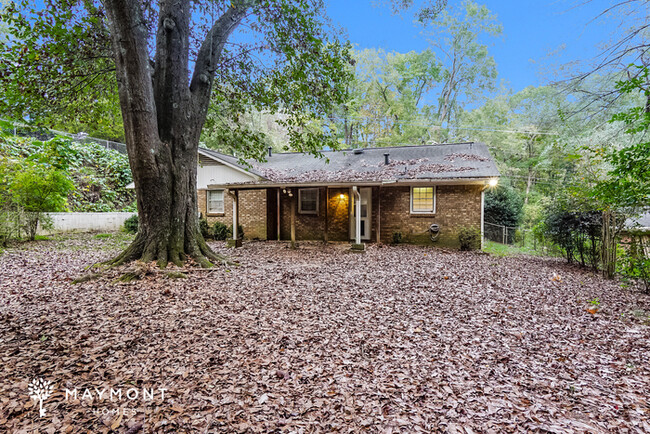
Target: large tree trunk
[(163, 115)]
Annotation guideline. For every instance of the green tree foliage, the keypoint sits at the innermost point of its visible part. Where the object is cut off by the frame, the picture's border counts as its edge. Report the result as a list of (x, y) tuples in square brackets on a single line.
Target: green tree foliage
[(628, 181), (57, 68), (100, 175), (469, 70), (503, 206), (30, 189), (634, 261), (386, 98)]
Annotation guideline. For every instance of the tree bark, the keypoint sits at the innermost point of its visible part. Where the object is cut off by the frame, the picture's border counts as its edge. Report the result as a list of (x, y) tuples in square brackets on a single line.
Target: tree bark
[(608, 244), (163, 117)]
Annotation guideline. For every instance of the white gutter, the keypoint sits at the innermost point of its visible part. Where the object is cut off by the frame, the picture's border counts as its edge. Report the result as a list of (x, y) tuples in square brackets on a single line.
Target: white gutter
[(357, 220)]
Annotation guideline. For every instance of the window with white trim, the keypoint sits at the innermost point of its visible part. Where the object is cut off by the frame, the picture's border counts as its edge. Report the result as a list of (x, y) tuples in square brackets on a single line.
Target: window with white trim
[(215, 202), (308, 201), (423, 200)]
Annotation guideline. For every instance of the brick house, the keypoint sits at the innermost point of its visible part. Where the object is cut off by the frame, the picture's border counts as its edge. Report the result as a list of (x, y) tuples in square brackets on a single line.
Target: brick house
[(360, 195)]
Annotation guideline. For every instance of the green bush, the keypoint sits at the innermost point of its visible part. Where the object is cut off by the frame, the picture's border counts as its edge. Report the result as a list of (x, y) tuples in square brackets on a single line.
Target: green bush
[(240, 232), (99, 176), (469, 239), (221, 231), (634, 263), (204, 227), (131, 224), (397, 237), (32, 189), (503, 206)]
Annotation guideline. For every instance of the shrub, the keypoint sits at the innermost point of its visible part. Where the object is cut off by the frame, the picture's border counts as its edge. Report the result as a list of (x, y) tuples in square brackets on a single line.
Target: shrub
[(577, 233), (634, 261), (469, 239), (503, 206), (131, 224), (34, 189), (204, 227), (397, 237), (221, 231), (240, 232)]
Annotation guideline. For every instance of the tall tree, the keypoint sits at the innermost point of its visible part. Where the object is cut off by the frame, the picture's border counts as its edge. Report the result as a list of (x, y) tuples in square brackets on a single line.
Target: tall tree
[(287, 59), (469, 69), (385, 104)]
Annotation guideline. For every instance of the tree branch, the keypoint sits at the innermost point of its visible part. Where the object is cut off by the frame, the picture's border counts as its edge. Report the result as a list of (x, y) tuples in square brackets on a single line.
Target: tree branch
[(209, 55)]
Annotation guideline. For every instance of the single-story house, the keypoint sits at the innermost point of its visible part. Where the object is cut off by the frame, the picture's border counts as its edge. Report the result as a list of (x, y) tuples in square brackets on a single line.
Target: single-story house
[(360, 195)]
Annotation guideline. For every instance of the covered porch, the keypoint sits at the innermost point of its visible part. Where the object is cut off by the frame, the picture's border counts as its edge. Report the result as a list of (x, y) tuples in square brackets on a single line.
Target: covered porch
[(348, 213)]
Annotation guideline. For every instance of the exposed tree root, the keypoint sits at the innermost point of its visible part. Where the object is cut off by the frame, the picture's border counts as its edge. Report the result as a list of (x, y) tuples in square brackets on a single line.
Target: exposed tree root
[(86, 277), (162, 251), (176, 275), (136, 272)]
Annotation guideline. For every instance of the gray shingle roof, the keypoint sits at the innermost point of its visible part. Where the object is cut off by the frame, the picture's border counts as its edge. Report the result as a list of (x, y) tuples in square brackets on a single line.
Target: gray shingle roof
[(641, 222), (444, 161)]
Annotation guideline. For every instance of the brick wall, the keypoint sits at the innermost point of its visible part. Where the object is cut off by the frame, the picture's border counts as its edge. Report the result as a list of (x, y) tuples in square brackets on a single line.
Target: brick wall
[(338, 220), (252, 212), (308, 226), (456, 206)]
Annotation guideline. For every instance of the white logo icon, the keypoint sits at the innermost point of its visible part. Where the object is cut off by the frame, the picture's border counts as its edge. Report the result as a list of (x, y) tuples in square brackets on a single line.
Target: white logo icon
[(39, 390)]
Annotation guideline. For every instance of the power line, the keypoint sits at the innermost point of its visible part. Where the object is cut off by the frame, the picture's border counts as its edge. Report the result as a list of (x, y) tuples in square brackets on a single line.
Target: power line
[(437, 127)]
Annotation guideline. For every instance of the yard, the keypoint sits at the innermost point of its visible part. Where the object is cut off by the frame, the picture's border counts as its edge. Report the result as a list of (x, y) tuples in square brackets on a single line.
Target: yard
[(319, 339)]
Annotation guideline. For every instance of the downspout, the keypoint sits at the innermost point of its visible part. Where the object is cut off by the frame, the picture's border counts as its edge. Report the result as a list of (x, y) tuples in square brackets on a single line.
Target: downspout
[(357, 220)]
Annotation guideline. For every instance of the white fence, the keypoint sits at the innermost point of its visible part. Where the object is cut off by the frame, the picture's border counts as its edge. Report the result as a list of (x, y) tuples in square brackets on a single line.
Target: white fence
[(86, 221)]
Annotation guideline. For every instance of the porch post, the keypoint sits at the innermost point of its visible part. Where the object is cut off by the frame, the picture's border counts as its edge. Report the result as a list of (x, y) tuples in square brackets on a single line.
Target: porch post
[(357, 217), (235, 221), (293, 221), (278, 216), (327, 206), (379, 215)]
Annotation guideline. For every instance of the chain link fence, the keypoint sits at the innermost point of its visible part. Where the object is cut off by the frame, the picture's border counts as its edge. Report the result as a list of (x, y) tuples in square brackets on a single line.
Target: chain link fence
[(42, 133), (503, 234)]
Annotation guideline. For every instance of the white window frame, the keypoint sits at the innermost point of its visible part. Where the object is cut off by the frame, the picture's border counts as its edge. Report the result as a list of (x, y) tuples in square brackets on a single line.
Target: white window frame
[(300, 210), (207, 200), (434, 199)]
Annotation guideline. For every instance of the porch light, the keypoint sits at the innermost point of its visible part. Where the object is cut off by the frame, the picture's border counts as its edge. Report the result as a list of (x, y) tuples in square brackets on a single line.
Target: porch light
[(493, 182)]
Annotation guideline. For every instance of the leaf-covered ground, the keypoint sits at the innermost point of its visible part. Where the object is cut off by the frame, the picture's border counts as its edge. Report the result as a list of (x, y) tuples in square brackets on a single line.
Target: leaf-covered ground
[(399, 339)]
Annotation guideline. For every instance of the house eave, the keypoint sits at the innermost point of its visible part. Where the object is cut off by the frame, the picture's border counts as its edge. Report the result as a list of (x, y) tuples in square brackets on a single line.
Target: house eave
[(232, 166), (385, 183)]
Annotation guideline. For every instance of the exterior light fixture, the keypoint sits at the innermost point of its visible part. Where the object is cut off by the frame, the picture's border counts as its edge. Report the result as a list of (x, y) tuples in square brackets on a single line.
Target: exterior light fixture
[(493, 182)]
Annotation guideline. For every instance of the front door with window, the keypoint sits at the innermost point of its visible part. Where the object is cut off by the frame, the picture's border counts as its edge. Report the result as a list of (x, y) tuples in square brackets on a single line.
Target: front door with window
[(366, 214)]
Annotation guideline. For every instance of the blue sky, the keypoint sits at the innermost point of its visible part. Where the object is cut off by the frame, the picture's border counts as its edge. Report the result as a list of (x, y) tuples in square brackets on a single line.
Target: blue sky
[(532, 30)]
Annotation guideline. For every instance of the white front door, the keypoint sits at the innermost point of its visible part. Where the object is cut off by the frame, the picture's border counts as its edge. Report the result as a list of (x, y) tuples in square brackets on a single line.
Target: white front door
[(366, 214)]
